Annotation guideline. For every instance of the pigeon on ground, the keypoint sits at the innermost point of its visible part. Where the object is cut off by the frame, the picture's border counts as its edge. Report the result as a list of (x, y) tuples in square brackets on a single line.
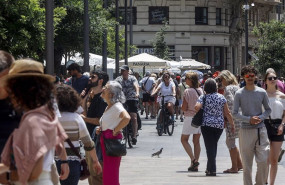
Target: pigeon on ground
[(157, 153)]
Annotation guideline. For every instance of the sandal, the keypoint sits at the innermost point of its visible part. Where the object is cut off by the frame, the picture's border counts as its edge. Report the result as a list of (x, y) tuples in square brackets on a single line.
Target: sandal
[(230, 171), (194, 166)]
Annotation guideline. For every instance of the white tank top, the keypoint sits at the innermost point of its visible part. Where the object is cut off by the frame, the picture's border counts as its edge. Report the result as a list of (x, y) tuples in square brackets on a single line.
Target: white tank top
[(277, 106)]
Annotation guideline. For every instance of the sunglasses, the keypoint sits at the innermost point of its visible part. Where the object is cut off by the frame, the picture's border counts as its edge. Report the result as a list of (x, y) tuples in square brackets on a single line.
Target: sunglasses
[(166, 77), (93, 76), (247, 76), (272, 78)]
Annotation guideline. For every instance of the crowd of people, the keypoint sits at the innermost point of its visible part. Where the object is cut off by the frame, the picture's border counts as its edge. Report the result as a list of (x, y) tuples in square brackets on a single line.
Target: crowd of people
[(41, 115)]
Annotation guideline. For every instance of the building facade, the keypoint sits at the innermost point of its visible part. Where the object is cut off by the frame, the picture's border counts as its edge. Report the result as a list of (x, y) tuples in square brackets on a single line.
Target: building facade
[(210, 31)]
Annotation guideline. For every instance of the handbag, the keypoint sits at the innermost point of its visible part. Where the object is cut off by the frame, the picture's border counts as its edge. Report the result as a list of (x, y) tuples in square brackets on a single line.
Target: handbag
[(198, 117), (273, 125), (84, 171), (115, 147)]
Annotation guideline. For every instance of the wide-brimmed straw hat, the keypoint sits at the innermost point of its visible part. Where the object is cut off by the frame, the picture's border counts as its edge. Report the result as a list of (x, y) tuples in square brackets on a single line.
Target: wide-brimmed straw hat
[(27, 67)]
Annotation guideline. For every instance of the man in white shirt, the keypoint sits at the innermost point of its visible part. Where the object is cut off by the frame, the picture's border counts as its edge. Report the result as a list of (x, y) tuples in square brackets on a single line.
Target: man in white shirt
[(148, 84)]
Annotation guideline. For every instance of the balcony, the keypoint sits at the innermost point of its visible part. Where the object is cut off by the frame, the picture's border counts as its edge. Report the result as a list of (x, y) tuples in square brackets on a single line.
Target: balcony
[(270, 2)]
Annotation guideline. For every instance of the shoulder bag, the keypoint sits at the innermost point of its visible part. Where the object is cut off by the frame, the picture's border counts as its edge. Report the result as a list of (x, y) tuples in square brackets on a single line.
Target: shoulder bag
[(115, 147), (273, 125), (143, 85), (84, 171), (198, 117)]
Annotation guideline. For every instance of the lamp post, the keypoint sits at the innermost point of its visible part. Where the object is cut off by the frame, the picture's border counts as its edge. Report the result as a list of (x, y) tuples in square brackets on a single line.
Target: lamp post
[(246, 8), (117, 39), (104, 47), (131, 27), (86, 37), (126, 32), (49, 37)]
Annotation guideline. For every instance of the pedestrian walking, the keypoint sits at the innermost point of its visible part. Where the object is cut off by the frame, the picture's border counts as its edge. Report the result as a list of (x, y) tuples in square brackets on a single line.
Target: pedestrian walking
[(68, 102), (33, 144), (147, 86), (182, 86), (114, 119), (190, 98), (230, 85), (215, 109), (253, 137), (277, 118)]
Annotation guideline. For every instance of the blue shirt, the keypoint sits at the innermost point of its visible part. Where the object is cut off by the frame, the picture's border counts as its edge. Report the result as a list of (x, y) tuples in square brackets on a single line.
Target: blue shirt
[(79, 84), (213, 110)]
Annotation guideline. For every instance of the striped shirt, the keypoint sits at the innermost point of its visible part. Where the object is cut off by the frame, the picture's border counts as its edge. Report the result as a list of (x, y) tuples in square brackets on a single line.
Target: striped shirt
[(76, 130)]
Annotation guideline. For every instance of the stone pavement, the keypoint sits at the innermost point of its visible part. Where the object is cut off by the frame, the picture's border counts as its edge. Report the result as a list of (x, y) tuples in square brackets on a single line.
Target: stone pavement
[(139, 168)]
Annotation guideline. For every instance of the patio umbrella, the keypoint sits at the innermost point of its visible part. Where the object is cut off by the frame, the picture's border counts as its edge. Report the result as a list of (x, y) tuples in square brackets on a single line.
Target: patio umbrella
[(193, 64), (145, 60)]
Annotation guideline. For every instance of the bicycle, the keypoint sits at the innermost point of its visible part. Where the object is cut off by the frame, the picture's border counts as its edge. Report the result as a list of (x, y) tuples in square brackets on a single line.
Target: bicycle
[(164, 122), (127, 135), (128, 131)]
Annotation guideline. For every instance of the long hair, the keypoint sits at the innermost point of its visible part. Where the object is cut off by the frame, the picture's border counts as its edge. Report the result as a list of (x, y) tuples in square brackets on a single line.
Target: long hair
[(229, 77), (194, 78), (265, 78)]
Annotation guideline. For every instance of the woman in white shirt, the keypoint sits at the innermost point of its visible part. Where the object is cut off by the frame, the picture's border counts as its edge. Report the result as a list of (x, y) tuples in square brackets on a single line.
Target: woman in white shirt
[(167, 89), (114, 119), (277, 105)]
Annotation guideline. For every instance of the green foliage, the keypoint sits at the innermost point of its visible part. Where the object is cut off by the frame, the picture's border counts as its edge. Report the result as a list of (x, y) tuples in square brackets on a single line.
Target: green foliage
[(270, 46), (22, 27), (160, 47)]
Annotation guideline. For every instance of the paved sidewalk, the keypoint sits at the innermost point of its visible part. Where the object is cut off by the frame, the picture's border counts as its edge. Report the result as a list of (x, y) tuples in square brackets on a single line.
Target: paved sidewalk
[(139, 168)]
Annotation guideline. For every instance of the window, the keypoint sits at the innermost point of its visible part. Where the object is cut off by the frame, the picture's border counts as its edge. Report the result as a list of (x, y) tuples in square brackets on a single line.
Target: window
[(218, 56), (226, 18), (158, 14), (201, 15), (201, 54), (122, 15), (218, 16)]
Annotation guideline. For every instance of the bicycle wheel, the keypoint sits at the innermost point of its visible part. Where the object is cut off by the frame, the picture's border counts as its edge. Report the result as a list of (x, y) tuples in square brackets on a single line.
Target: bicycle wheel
[(170, 126), (129, 136), (159, 123)]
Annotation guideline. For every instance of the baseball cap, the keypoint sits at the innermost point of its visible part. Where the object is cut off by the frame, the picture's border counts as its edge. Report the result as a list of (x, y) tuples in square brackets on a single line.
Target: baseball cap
[(125, 67)]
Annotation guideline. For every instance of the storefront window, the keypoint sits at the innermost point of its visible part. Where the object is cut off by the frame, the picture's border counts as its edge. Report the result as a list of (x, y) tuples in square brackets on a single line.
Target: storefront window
[(218, 56), (201, 54)]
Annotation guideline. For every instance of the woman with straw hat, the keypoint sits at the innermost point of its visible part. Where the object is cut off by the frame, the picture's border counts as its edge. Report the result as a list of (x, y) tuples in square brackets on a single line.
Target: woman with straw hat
[(39, 132)]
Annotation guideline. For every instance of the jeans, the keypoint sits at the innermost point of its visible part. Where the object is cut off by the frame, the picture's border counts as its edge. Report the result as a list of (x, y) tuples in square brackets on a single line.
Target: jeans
[(74, 172), (211, 137)]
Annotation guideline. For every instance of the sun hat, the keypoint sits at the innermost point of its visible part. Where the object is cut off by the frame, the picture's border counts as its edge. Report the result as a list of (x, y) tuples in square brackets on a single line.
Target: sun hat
[(27, 67)]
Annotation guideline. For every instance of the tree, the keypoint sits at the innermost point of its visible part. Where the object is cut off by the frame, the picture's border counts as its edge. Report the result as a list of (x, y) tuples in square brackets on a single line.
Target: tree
[(160, 47), (22, 27), (270, 46)]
